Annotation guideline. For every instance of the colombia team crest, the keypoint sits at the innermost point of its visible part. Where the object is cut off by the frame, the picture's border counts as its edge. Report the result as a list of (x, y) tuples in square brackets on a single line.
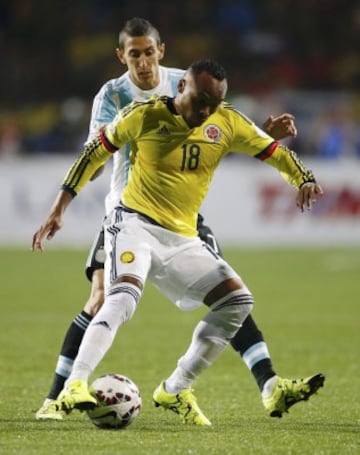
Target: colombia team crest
[(127, 257), (212, 132)]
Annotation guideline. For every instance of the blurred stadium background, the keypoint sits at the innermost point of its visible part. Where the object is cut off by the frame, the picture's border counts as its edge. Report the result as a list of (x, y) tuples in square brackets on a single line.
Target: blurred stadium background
[(280, 56)]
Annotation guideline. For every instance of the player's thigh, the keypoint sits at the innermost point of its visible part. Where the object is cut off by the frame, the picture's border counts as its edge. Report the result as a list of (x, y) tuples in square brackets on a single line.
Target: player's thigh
[(127, 252), (191, 274)]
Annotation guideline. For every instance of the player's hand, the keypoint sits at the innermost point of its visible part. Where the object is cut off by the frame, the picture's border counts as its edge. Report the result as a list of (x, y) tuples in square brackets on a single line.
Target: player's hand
[(281, 126), (54, 221), (48, 229), (308, 195)]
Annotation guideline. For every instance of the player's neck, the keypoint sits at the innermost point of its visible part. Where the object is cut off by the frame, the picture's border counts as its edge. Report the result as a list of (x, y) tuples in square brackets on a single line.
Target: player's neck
[(171, 106)]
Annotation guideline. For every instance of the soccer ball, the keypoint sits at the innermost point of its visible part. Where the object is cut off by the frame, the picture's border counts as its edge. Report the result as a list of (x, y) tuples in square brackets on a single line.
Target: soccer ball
[(119, 401)]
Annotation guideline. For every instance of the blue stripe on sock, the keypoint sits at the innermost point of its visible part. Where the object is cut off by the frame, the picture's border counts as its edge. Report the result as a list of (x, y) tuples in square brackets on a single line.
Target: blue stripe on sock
[(64, 366), (255, 354), (81, 322)]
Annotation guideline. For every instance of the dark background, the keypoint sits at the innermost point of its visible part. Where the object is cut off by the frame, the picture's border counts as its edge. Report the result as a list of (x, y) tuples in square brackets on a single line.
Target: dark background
[(301, 56)]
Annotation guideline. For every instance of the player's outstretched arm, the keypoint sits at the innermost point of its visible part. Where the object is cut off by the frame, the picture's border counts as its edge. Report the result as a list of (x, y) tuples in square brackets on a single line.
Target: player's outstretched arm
[(307, 195), (93, 157), (281, 126), (54, 221)]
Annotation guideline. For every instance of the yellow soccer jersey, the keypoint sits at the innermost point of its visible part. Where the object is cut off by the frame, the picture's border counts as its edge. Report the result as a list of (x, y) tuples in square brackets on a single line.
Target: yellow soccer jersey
[(172, 164)]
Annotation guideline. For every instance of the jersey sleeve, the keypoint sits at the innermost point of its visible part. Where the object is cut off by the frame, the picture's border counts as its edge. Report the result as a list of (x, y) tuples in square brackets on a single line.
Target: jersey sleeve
[(245, 136), (251, 140), (94, 155), (99, 150), (103, 112), (126, 126), (288, 164)]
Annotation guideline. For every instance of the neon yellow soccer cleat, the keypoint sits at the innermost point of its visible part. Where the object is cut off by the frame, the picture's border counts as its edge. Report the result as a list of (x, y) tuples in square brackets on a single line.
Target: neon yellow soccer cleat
[(288, 392), (182, 403), (50, 410), (76, 395)]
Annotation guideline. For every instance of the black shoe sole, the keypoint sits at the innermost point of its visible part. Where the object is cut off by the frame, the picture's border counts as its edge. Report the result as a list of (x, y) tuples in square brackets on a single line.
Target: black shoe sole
[(86, 406)]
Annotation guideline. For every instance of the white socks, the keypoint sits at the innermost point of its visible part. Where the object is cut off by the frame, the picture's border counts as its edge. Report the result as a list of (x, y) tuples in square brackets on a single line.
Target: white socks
[(118, 308), (269, 386), (210, 338)]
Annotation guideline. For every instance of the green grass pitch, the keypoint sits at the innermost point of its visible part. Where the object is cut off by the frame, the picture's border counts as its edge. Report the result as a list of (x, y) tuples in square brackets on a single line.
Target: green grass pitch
[(307, 303)]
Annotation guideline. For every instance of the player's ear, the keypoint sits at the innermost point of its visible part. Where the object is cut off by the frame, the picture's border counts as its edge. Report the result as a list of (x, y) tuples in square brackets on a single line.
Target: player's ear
[(120, 55), (181, 85), (161, 49)]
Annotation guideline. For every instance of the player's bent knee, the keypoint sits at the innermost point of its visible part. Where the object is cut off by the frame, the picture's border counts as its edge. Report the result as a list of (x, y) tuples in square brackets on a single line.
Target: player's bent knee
[(223, 289), (231, 311), (128, 279), (125, 296)]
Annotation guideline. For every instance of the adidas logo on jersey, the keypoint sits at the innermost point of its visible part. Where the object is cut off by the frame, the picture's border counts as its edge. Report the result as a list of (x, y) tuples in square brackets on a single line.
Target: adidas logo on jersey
[(163, 131)]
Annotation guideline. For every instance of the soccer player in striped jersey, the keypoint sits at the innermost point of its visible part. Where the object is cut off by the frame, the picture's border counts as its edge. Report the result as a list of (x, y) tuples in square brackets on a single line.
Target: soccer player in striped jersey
[(141, 50)]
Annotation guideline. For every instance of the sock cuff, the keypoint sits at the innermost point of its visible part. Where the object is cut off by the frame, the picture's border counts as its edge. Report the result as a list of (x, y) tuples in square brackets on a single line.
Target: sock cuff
[(86, 315), (82, 320)]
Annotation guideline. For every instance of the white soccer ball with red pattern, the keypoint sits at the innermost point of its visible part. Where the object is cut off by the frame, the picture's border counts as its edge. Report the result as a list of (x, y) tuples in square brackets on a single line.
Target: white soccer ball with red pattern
[(119, 401)]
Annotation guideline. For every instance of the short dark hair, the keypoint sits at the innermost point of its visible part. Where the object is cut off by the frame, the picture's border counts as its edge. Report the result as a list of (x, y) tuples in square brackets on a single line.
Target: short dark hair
[(209, 66), (137, 26)]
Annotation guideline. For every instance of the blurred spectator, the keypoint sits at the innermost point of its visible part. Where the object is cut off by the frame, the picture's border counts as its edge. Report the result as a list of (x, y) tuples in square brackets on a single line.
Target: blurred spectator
[(10, 137), (64, 50), (336, 135)]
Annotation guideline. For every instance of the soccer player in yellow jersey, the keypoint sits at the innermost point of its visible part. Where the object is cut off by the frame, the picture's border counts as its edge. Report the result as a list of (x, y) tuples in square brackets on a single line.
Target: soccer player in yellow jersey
[(177, 144), (141, 50)]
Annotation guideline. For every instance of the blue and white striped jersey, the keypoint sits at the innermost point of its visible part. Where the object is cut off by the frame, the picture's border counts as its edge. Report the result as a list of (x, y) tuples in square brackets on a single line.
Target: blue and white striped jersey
[(114, 95)]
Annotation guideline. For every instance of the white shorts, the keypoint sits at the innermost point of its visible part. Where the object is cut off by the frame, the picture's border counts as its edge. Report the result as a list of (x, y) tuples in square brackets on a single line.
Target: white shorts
[(184, 269)]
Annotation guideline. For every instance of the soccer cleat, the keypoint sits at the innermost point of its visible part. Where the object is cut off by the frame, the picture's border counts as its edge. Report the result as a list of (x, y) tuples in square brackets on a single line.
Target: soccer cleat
[(288, 392), (76, 395), (182, 403), (49, 411)]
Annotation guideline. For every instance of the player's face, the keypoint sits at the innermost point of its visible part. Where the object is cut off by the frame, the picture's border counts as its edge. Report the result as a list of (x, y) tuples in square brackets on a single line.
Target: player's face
[(142, 54), (199, 96)]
